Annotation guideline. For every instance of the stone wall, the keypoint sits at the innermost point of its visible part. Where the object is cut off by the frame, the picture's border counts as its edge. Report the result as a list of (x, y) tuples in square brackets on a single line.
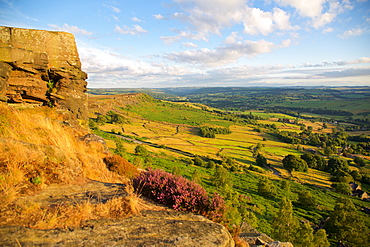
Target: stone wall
[(43, 68)]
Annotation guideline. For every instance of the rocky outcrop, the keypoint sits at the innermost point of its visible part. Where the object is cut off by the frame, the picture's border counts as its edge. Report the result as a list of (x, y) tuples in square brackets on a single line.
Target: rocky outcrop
[(151, 228), (42, 67), (155, 225), (255, 238)]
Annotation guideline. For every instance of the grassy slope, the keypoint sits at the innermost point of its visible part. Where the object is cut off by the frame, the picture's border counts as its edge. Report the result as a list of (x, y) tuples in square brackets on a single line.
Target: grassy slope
[(38, 150), (157, 121)]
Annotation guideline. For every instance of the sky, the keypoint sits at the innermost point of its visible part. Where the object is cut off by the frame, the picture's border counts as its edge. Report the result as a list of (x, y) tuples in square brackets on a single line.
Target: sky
[(209, 43)]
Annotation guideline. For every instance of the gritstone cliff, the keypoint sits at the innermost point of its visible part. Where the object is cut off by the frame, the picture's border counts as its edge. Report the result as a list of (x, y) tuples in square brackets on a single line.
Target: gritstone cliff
[(43, 68)]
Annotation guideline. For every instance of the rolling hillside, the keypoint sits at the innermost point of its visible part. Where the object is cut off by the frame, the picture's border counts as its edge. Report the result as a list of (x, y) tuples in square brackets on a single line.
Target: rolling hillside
[(162, 127)]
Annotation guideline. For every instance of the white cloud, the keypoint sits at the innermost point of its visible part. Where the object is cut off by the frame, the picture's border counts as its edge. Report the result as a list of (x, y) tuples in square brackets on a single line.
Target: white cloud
[(356, 61), (136, 29), (310, 8), (115, 9), (71, 29), (328, 30), (182, 35), (209, 16), (136, 19), (158, 17), (225, 54), (206, 17), (347, 72), (257, 21), (232, 38), (352, 32), (189, 44), (115, 17), (315, 9), (337, 63), (109, 69)]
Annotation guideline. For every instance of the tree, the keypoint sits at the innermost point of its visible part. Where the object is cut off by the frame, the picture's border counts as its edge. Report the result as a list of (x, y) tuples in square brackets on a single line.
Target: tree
[(116, 118), (304, 236), (342, 188), (310, 159), (314, 161), (306, 199), (359, 161), (198, 161), (346, 225), (320, 239), (266, 187), (196, 176), (320, 163), (261, 160), (102, 119), (257, 149), (92, 124), (328, 151), (294, 163), (285, 186), (336, 164), (356, 175), (284, 224), (120, 149), (211, 164), (141, 150), (222, 179)]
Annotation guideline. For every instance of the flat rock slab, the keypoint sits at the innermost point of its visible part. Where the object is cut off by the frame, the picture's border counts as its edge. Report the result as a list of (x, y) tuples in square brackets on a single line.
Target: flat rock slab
[(93, 192), (150, 228)]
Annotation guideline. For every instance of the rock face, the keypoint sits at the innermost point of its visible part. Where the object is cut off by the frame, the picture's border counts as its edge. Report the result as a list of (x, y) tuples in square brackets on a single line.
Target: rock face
[(151, 228), (42, 67)]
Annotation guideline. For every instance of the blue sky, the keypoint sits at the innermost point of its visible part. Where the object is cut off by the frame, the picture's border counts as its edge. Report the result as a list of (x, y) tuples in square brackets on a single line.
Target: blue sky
[(179, 43)]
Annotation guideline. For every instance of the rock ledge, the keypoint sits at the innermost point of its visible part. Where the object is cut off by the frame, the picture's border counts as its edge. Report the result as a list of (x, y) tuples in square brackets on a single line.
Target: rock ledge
[(151, 228)]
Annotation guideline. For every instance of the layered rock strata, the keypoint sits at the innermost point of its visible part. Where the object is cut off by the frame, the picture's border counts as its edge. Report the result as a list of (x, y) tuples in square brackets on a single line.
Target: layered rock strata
[(42, 67)]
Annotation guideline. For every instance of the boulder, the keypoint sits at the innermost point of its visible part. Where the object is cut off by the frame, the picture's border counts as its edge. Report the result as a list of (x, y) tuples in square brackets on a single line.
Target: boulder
[(42, 67)]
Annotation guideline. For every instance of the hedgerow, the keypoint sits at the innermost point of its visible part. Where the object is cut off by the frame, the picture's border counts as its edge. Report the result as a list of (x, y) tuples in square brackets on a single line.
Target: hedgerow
[(179, 193)]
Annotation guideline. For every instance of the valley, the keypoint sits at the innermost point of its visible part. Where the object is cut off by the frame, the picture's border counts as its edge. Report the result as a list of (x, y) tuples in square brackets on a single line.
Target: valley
[(166, 128)]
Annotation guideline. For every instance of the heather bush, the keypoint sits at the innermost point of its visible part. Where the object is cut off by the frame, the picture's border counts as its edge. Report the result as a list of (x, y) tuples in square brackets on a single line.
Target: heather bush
[(121, 166), (179, 193)]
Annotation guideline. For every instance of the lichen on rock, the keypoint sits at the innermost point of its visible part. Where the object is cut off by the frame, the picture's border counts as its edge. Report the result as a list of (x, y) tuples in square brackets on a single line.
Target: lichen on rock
[(42, 67)]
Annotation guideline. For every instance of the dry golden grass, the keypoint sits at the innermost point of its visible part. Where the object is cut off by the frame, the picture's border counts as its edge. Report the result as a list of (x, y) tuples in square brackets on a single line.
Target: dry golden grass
[(36, 150), (32, 214)]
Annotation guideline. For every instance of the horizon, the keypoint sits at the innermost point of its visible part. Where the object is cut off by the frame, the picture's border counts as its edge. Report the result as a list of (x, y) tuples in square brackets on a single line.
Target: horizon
[(268, 86), (209, 43)]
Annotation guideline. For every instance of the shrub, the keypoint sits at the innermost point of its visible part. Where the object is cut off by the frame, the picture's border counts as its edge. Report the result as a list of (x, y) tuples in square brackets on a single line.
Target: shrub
[(121, 166), (178, 193), (120, 149), (141, 150), (266, 187), (306, 199), (36, 180)]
